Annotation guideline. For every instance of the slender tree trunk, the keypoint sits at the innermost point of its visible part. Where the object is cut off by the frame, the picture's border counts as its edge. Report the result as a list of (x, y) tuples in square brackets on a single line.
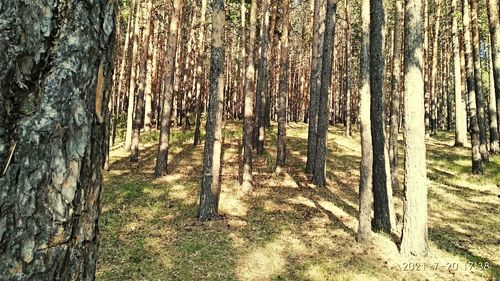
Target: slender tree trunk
[(414, 239), (262, 79), (319, 173), (460, 110), (382, 219), (248, 125), (365, 181), (395, 89), (199, 73), (314, 90), (53, 136), (478, 81), (434, 77), (166, 116), (494, 145), (347, 68), (283, 91), (133, 74), (494, 24), (210, 184), (426, 66), (477, 167), (143, 66)]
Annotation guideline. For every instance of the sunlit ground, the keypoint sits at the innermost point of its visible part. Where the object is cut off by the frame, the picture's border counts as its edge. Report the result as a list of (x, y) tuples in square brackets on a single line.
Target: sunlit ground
[(288, 229)]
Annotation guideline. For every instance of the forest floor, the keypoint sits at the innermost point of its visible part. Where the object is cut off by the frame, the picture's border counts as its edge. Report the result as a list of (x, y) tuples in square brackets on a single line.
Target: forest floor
[(287, 229)]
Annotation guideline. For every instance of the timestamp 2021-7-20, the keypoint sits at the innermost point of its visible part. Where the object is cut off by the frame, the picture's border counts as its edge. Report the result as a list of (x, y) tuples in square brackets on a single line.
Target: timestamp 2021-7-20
[(450, 266)]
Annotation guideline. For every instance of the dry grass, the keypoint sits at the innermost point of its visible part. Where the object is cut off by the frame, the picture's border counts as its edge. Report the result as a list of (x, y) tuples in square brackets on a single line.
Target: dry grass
[(287, 229)]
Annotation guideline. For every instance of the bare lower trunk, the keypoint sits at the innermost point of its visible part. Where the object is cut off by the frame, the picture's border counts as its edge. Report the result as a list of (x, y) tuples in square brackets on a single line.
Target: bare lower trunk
[(415, 233), (315, 85), (382, 218), (460, 110), (249, 116), (477, 167), (55, 79), (283, 91), (365, 181), (319, 172), (166, 116), (478, 81), (210, 184)]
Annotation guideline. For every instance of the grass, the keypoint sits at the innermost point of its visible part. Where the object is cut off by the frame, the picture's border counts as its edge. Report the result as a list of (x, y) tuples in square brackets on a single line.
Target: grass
[(287, 229)]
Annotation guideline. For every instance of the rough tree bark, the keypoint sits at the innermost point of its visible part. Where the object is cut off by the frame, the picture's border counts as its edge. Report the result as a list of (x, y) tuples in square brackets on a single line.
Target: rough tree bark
[(210, 184), (460, 110), (55, 77), (494, 145), (494, 24), (478, 81), (315, 84), (414, 236), (283, 92), (395, 89), (141, 81), (262, 84), (133, 74), (382, 210), (365, 181), (199, 72), (166, 115), (249, 116), (434, 77), (477, 167), (319, 172), (347, 68)]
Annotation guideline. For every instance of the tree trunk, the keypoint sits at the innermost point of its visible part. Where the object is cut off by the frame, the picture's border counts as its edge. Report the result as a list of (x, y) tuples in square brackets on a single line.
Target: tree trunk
[(494, 145), (210, 184), (395, 89), (314, 90), (414, 236), (199, 73), (434, 77), (283, 91), (133, 74), (262, 80), (382, 219), (143, 66), (347, 69), (166, 116), (55, 80), (365, 181), (477, 167), (494, 24), (248, 125), (478, 81), (460, 110), (319, 173)]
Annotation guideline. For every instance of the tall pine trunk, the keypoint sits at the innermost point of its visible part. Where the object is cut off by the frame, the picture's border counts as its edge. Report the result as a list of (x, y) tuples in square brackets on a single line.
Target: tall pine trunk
[(415, 233), (319, 172), (199, 73), (315, 84), (55, 80), (283, 92), (166, 114), (365, 181), (210, 184), (382, 209), (494, 25), (249, 116), (395, 89), (460, 109), (477, 167), (478, 81)]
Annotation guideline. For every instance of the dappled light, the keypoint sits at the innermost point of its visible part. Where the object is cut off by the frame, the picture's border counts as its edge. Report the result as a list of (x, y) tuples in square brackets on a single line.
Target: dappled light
[(287, 229)]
